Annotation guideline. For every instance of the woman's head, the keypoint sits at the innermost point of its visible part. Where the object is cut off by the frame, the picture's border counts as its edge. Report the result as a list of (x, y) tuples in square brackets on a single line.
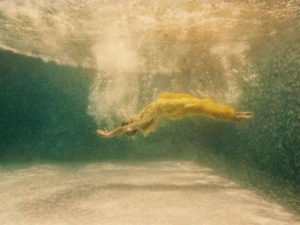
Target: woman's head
[(131, 132)]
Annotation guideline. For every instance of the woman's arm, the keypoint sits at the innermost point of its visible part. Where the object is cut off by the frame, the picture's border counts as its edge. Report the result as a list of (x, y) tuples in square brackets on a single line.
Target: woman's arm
[(128, 129), (106, 134)]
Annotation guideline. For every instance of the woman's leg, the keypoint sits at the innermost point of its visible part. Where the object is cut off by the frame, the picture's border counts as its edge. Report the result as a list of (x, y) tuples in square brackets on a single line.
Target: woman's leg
[(210, 108)]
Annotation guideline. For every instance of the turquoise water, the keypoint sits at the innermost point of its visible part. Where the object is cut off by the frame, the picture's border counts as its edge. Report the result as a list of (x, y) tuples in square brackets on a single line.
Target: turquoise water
[(63, 75)]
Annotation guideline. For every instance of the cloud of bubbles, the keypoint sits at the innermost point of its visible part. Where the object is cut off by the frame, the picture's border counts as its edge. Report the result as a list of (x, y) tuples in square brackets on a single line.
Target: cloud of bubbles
[(142, 48)]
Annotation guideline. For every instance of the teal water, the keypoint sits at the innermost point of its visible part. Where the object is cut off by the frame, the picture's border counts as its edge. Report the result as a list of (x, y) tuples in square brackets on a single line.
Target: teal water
[(57, 89)]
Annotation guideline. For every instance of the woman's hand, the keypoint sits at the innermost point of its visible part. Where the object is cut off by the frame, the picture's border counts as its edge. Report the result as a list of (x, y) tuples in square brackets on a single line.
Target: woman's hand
[(102, 133)]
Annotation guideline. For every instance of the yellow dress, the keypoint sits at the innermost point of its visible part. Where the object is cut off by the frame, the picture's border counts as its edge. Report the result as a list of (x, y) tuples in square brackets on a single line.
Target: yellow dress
[(176, 106)]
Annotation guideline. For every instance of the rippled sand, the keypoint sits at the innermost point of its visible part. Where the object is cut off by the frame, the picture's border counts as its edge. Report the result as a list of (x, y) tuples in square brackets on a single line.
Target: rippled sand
[(152, 193)]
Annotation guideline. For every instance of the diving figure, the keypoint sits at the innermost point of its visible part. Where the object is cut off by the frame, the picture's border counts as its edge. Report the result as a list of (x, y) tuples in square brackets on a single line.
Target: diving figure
[(174, 106)]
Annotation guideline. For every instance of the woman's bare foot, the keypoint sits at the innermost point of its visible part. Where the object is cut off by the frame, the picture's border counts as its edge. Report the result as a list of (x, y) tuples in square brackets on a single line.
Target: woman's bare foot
[(240, 116)]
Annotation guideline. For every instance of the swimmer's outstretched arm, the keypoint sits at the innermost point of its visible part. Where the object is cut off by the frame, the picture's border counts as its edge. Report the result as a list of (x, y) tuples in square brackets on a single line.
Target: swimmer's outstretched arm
[(113, 133), (129, 129)]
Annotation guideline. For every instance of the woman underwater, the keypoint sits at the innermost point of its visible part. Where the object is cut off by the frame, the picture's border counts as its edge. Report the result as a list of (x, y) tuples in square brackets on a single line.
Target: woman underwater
[(174, 106)]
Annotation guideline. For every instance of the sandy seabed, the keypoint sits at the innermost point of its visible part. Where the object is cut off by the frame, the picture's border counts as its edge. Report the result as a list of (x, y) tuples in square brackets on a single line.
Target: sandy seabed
[(127, 194)]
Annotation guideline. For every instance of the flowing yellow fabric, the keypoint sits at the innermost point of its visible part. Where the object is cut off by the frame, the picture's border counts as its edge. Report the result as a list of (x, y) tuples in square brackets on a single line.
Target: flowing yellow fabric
[(176, 106)]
